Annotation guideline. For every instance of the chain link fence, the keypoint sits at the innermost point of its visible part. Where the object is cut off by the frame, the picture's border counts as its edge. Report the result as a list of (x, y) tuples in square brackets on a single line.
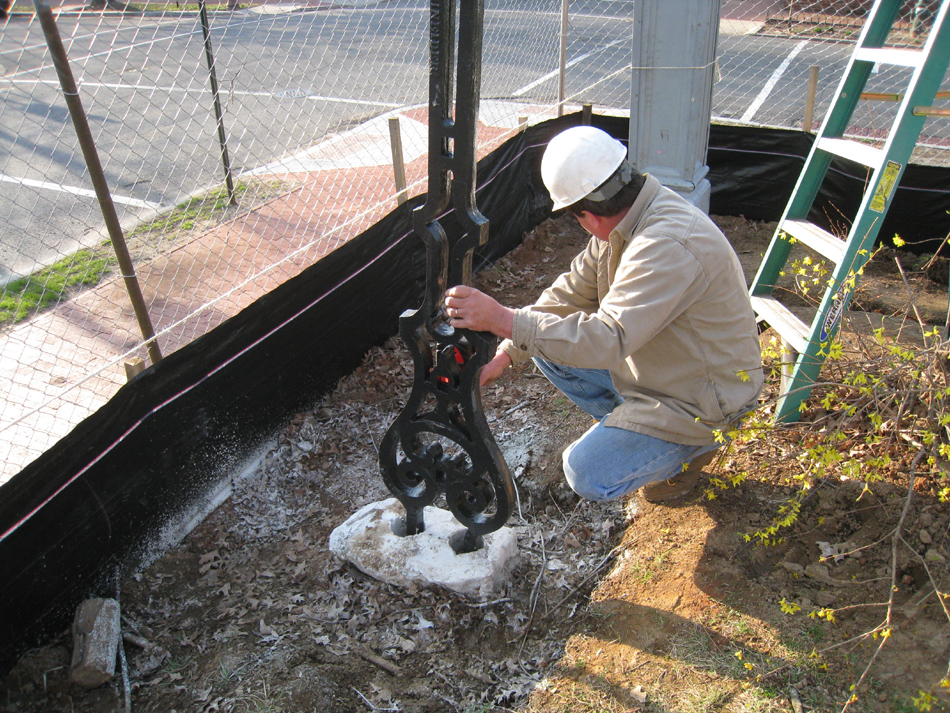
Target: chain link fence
[(241, 144)]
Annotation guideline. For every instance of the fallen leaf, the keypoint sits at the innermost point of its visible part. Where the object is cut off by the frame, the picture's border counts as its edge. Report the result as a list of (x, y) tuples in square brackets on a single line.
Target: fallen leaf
[(639, 695), (423, 623)]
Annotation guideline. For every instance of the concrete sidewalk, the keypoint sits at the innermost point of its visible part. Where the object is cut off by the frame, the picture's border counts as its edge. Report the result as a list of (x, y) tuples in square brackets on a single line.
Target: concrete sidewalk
[(63, 365)]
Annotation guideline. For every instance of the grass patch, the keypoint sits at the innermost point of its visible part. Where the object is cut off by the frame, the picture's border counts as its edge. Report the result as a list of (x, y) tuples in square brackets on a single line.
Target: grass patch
[(25, 297), (192, 212)]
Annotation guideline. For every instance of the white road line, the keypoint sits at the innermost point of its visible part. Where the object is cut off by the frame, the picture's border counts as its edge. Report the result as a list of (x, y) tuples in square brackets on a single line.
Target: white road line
[(75, 191), (550, 75), (773, 80), (199, 90)]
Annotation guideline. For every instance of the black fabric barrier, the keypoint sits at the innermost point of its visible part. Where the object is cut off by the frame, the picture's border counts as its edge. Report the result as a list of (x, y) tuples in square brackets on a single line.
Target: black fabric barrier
[(96, 503), (753, 170), (98, 500)]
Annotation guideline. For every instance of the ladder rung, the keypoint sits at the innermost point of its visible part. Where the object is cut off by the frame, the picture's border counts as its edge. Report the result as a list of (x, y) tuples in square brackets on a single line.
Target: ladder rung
[(904, 58), (853, 150), (783, 320), (821, 241)]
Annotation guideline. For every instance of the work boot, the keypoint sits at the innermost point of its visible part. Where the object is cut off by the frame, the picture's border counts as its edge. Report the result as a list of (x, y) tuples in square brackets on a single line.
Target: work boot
[(678, 485)]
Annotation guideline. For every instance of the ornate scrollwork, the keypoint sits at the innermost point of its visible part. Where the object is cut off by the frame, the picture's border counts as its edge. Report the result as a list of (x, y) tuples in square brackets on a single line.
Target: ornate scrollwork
[(441, 443)]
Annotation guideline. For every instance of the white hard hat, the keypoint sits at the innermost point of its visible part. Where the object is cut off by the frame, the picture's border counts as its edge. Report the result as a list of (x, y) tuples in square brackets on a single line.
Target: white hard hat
[(578, 161)]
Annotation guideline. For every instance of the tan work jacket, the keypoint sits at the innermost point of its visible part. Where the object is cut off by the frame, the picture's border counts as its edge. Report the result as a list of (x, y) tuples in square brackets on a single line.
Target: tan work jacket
[(663, 305)]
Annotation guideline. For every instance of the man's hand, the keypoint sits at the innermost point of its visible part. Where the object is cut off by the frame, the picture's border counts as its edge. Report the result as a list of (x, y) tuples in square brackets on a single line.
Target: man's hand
[(493, 369), (467, 308)]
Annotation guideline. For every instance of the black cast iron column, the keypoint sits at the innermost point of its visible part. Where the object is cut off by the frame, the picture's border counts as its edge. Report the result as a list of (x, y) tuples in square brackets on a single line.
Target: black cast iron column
[(440, 442)]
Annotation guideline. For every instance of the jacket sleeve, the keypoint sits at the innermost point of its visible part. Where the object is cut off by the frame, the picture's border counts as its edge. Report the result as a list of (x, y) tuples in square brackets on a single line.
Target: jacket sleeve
[(573, 292), (656, 280)]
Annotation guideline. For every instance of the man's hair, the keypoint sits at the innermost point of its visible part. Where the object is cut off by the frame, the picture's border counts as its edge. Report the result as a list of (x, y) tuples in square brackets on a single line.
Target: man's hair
[(617, 203)]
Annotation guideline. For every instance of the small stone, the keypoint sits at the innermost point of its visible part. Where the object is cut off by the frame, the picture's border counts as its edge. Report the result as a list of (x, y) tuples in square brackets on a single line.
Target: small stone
[(934, 556), (926, 519), (938, 643), (925, 537), (96, 635), (825, 599), (367, 540)]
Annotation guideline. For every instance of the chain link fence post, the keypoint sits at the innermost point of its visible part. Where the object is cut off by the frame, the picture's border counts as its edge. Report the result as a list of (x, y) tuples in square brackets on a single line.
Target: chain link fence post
[(97, 176), (218, 114)]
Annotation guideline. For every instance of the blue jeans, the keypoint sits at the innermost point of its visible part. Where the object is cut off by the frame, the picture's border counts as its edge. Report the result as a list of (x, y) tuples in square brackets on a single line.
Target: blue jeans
[(606, 462)]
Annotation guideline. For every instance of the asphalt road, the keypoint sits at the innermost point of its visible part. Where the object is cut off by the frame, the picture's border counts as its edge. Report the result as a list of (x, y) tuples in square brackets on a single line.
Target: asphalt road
[(287, 81)]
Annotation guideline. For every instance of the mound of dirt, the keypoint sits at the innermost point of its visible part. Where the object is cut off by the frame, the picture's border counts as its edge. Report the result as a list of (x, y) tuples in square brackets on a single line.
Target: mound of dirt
[(613, 607)]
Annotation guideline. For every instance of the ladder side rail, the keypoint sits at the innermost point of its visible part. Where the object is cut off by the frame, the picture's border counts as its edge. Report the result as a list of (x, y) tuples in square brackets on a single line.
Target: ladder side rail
[(825, 325), (902, 138), (877, 26), (873, 33), (886, 168), (898, 149)]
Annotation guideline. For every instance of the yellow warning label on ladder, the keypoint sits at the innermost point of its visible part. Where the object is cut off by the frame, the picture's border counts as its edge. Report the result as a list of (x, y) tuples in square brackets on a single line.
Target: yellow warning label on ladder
[(885, 187)]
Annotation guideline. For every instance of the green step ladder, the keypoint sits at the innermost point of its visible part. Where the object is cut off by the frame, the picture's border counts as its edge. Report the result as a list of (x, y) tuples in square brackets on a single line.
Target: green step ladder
[(806, 346)]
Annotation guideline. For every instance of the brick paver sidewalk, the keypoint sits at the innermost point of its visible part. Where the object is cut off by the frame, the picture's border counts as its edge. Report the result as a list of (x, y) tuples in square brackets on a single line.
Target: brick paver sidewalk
[(195, 287)]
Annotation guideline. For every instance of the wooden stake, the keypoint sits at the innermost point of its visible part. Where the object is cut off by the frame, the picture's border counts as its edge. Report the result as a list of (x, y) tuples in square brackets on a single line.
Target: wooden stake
[(810, 97), (399, 166), (134, 367)]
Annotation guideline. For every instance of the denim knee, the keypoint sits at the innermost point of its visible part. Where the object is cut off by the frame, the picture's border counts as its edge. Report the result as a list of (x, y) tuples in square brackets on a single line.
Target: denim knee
[(581, 483)]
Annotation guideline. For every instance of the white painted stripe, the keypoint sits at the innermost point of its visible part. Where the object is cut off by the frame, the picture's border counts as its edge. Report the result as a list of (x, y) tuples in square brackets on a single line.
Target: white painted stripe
[(198, 90), (75, 191), (773, 80), (550, 75)]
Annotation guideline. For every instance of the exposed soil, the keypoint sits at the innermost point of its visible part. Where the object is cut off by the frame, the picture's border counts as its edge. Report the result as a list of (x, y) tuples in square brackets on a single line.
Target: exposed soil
[(613, 607)]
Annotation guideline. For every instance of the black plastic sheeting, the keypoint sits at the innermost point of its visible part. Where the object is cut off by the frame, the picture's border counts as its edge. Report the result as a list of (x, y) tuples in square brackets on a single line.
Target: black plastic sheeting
[(96, 504), (753, 171), (100, 498)]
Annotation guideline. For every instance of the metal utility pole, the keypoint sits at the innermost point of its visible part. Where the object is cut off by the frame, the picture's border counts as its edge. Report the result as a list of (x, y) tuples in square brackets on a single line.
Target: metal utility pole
[(674, 54)]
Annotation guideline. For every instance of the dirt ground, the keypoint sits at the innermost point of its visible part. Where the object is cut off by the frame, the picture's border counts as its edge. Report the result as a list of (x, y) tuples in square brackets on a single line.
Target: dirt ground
[(623, 606)]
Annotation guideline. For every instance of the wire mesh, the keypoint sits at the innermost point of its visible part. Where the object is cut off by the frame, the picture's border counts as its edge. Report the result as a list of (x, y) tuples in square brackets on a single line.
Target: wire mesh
[(306, 94)]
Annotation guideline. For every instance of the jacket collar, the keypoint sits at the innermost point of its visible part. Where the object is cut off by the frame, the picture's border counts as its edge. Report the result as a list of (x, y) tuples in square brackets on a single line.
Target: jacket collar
[(626, 227)]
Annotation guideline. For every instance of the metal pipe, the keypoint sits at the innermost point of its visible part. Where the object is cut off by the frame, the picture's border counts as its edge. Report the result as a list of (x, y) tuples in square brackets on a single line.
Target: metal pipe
[(218, 114), (562, 61), (930, 111), (887, 97), (97, 175)]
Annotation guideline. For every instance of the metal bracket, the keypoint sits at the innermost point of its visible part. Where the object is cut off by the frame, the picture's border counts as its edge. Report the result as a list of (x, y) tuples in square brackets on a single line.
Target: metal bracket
[(441, 442)]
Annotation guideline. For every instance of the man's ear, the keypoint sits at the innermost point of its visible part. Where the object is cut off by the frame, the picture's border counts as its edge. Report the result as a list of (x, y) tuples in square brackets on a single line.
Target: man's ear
[(589, 220)]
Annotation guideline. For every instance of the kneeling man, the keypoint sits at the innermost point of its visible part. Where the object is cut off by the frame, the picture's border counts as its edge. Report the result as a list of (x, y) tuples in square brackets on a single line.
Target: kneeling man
[(651, 332)]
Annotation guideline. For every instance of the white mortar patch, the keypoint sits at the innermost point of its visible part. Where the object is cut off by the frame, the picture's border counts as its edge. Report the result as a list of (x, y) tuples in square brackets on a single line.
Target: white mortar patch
[(367, 541)]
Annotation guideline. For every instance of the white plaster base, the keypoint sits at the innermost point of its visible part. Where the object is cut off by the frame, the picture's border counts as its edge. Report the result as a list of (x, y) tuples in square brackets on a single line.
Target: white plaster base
[(367, 540)]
